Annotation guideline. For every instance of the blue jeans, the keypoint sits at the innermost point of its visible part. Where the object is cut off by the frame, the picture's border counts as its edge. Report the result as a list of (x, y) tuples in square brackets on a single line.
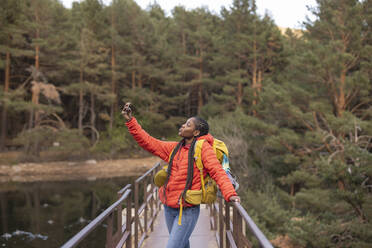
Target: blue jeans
[(179, 235)]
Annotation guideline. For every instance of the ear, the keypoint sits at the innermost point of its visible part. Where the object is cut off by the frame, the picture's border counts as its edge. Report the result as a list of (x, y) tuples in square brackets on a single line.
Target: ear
[(196, 133)]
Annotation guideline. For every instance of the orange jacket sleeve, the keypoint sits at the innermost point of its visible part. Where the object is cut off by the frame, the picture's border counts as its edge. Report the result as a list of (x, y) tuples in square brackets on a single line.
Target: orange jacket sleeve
[(157, 147), (216, 171)]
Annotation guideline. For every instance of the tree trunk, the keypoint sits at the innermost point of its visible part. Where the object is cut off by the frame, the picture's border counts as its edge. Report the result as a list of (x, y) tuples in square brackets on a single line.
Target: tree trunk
[(113, 108), (81, 109), (259, 81), (200, 88), (341, 185), (340, 97), (37, 47), (37, 65), (239, 93), (4, 112), (113, 86), (81, 101), (92, 116), (139, 80), (133, 74), (34, 115), (35, 89), (254, 78)]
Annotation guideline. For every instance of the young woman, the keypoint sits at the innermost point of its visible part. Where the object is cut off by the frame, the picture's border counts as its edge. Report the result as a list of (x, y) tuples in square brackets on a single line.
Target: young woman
[(172, 191)]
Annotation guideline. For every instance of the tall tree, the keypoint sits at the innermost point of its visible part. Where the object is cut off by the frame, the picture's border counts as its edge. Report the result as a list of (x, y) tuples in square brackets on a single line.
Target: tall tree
[(90, 62), (337, 42), (254, 48), (12, 38)]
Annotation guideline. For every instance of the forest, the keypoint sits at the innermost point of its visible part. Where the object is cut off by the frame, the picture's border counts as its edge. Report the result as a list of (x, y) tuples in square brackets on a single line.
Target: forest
[(294, 107)]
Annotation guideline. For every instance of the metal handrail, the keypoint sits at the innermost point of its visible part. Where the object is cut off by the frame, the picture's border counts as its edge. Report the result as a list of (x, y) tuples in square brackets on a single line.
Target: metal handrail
[(229, 234), (264, 242), (74, 241), (232, 233), (150, 202), (153, 169)]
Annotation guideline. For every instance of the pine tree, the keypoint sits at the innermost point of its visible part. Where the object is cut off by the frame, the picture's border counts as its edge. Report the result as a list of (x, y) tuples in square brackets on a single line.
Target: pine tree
[(89, 65), (320, 152), (12, 38), (253, 48), (194, 36)]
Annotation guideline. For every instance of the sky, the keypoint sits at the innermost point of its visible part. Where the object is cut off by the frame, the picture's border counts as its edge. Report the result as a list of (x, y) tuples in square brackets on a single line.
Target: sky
[(286, 13)]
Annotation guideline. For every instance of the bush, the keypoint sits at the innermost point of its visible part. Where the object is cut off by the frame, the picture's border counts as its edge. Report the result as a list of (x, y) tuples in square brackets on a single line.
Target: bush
[(44, 138)]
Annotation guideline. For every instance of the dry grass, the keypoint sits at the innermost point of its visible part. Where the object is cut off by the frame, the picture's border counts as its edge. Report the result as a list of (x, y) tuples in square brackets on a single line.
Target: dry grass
[(64, 171)]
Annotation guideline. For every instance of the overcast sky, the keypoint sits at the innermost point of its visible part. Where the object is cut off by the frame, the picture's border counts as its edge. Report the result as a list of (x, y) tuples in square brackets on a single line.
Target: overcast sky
[(286, 13)]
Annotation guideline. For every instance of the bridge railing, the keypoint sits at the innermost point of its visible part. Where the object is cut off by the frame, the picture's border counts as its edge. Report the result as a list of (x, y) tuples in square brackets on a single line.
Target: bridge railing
[(149, 208), (230, 222), (122, 233), (131, 231)]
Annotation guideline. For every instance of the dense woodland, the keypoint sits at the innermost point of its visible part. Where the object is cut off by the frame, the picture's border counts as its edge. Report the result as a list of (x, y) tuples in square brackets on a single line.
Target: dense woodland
[(295, 109)]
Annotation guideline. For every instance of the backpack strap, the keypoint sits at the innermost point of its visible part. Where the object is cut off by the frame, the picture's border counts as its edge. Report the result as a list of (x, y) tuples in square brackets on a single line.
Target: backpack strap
[(172, 155), (199, 163)]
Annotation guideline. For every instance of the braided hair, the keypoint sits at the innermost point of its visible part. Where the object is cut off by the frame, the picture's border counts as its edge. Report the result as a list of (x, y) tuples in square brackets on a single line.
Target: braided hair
[(202, 126)]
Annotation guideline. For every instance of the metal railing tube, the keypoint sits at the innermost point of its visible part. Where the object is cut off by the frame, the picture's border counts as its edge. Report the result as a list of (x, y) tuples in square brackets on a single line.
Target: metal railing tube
[(264, 242), (147, 172)]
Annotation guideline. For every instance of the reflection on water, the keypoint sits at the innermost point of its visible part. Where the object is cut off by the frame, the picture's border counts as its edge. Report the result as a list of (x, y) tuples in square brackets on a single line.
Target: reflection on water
[(47, 214)]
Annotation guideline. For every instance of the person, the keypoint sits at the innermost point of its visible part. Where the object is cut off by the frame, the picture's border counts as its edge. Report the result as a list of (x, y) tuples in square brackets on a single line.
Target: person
[(172, 191)]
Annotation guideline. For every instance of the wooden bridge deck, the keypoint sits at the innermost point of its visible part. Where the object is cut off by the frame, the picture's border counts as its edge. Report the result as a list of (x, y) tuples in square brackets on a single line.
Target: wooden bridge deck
[(201, 237)]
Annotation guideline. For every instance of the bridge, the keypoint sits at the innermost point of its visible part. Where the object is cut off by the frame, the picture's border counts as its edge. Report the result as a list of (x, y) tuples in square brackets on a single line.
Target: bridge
[(136, 220)]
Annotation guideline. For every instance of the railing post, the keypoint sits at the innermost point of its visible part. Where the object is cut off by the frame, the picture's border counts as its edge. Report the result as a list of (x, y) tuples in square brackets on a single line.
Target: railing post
[(146, 205), (136, 217), (109, 231), (227, 223), (237, 227), (214, 212), (119, 224), (152, 202), (129, 222), (220, 221), (210, 206)]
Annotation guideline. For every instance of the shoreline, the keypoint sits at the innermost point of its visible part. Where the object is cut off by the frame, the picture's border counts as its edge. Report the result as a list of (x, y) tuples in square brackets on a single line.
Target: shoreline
[(69, 171)]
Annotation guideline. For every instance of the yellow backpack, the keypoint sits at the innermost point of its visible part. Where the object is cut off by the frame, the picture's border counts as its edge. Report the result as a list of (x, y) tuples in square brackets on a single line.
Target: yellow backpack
[(208, 192)]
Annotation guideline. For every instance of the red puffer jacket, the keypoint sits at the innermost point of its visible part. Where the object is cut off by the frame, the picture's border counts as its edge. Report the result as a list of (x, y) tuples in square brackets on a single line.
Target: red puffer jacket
[(177, 179)]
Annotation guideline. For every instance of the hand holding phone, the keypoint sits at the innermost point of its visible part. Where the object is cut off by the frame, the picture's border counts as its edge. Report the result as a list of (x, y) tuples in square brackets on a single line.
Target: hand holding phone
[(127, 111)]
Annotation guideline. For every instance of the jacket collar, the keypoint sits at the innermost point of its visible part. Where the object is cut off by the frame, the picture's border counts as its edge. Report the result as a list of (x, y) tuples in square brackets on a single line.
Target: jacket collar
[(208, 137)]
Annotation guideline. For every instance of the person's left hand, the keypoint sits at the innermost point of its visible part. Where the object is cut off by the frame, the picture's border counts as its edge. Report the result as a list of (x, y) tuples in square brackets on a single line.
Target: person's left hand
[(234, 198)]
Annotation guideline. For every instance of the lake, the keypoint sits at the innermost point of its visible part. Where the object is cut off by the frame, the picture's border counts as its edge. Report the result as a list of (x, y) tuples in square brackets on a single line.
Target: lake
[(47, 214)]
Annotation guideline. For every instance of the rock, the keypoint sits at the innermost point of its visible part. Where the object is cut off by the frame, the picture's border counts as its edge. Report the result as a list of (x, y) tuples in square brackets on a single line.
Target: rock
[(91, 161)]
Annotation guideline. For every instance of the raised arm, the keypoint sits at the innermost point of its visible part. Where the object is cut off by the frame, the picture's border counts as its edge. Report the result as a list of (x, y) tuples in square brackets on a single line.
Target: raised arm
[(157, 147), (217, 173)]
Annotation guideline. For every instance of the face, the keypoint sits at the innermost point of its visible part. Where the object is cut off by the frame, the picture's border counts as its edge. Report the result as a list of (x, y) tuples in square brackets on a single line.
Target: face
[(188, 130)]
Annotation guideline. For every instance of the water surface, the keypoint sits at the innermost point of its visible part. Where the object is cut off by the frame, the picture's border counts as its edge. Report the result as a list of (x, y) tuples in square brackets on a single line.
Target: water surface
[(47, 214)]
